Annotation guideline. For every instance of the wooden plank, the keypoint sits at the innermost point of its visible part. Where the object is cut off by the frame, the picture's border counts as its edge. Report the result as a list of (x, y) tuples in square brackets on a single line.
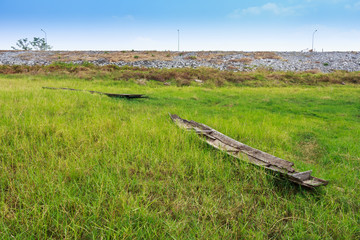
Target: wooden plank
[(249, 154), (262, 156), (115, 95), (303, 175)]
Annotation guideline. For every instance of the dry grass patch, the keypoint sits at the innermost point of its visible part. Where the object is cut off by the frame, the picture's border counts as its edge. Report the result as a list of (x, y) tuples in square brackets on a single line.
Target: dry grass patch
[(245, 60), (263, 55), (310, 151), (131, 56), (184, 76), (111, 56), (313, 71)]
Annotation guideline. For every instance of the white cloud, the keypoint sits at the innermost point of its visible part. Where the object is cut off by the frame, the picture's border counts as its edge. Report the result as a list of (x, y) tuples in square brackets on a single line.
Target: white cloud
[(270, 7), (128, 17), (355, 6)]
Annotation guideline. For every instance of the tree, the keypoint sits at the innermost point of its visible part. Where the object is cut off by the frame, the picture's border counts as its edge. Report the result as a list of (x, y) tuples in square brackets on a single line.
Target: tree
[(37, 44), (23, 44), (40, 44)]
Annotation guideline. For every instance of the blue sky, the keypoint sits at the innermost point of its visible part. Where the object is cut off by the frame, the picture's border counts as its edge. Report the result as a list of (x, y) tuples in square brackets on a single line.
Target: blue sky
[(285, 25)]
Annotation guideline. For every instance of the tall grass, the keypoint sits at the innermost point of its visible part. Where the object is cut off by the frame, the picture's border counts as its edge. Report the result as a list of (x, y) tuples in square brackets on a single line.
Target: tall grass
[(186, 76), (77, 165)]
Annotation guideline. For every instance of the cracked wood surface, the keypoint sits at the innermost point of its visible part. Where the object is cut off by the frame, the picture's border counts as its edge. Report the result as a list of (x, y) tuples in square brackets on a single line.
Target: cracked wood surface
[(253, 155)]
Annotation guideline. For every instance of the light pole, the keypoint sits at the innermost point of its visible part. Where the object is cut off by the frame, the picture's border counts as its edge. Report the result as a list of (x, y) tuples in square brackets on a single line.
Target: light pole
[(45, 38), (312, 47), (178, 40)]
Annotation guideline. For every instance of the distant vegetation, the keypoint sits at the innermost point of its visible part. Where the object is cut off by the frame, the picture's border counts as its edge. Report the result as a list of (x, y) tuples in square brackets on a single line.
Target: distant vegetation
[(186, 76), (36, 44)]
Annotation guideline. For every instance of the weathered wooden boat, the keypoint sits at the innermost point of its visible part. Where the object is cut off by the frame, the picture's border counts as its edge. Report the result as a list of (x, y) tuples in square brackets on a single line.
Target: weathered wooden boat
[(114, 95), (252, 155)]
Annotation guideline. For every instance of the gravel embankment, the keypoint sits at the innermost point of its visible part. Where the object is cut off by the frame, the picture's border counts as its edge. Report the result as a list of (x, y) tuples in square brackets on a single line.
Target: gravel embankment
[(236, 61)]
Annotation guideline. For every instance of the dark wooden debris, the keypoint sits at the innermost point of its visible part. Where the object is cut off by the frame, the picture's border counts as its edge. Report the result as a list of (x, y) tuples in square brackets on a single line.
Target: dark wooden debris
[(252, 155), (114, 95)]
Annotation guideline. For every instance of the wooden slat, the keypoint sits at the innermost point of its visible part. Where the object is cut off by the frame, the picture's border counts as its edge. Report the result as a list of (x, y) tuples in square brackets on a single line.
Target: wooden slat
[(262, 156), (303, 175), (249, 154), (116, 95)]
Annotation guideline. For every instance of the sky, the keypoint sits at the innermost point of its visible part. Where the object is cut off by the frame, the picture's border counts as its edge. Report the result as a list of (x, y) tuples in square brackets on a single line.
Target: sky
[(286, 25)]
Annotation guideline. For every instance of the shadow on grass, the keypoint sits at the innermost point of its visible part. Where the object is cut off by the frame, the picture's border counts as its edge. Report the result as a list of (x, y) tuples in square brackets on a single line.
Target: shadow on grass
[(274, 181), (281, 184)]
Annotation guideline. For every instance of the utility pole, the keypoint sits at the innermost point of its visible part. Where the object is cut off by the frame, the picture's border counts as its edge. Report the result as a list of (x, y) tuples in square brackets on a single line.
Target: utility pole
[(45, 38), (312, 47), (178, 40)]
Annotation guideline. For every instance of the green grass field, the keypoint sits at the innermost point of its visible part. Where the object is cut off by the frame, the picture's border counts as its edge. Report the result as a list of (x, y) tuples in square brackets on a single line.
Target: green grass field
[(75, 165)]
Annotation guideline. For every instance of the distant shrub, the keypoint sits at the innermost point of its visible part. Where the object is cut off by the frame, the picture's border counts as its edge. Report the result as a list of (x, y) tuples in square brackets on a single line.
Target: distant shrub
[(191, 57), (88, 64)]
